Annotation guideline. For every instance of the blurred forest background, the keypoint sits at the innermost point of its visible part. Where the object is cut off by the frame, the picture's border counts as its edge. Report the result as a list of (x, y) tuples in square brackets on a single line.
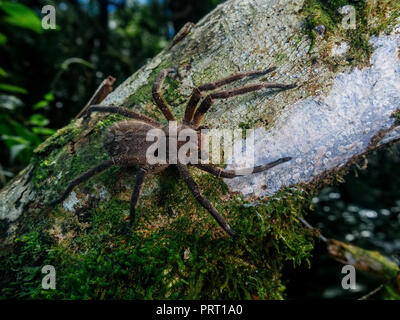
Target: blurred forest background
[(47, 76)]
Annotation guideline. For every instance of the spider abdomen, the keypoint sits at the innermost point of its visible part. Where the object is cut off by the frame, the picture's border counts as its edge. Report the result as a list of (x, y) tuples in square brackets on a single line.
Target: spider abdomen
[(127, 140)]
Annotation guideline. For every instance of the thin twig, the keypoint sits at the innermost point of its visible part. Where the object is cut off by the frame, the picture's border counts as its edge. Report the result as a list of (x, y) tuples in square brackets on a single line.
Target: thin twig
[(100, 94), (371, 293), (309, 226), (181, 34)]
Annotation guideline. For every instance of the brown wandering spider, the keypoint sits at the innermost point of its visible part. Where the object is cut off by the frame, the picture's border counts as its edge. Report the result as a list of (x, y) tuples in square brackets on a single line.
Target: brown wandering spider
[(125, 141)]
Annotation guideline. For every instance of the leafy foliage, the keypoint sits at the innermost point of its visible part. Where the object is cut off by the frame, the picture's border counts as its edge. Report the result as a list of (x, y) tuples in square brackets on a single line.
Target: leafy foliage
[(20, 136), (20, 16)]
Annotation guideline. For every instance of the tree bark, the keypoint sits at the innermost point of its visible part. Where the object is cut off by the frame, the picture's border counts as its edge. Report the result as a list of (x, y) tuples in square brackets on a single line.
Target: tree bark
[(344, 107)]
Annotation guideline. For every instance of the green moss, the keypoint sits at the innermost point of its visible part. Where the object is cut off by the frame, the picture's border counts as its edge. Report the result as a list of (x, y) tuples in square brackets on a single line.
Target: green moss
[(102, 125), (280, 57), (371, 18), (143, 95), (387, 13), (396, 116), (171, 94), (140, 96), (318, 13), (59, 139), (179, 253), (89, 155), (20, 271), (48, 158)]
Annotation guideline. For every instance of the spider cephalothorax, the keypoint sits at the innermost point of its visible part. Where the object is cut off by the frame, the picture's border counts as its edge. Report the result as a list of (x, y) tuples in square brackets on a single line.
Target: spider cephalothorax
[(126, 142)]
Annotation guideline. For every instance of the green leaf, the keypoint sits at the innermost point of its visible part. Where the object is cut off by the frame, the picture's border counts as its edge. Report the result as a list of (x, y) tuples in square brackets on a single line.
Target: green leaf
[(3, 39), (21, 16), (40, 105), (49, 96), (3, 72), (38, 120), (21, 131), (11, 88), (43, 131), (14, 140)]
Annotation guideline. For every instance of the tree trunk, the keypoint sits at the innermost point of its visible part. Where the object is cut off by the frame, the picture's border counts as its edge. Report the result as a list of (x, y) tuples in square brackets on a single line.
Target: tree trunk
[(344, 107)]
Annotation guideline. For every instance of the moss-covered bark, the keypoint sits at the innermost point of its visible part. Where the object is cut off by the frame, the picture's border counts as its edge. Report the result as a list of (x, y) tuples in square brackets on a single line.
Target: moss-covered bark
[(369, 262), (176, 249)]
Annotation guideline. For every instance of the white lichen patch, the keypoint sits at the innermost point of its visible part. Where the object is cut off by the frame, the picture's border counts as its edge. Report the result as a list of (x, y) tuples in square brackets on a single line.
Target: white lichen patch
[(19, 196), (324, 132), (340, 50), (104, 194), (70, 202)]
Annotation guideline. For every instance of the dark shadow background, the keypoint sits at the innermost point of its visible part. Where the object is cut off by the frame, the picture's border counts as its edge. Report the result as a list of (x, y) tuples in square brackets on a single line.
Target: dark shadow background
[(47, 76)]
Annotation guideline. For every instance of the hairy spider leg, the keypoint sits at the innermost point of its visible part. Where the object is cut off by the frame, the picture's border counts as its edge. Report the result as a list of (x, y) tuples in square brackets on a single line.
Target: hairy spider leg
[(157, 96), (197, 92), (205, 203), (124, 112), (84, 176), (136, 194), (229, 174), (209, 100)]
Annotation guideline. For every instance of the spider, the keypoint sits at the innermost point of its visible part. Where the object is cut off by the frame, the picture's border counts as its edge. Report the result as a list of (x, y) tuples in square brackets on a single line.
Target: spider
[(125, 141)]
